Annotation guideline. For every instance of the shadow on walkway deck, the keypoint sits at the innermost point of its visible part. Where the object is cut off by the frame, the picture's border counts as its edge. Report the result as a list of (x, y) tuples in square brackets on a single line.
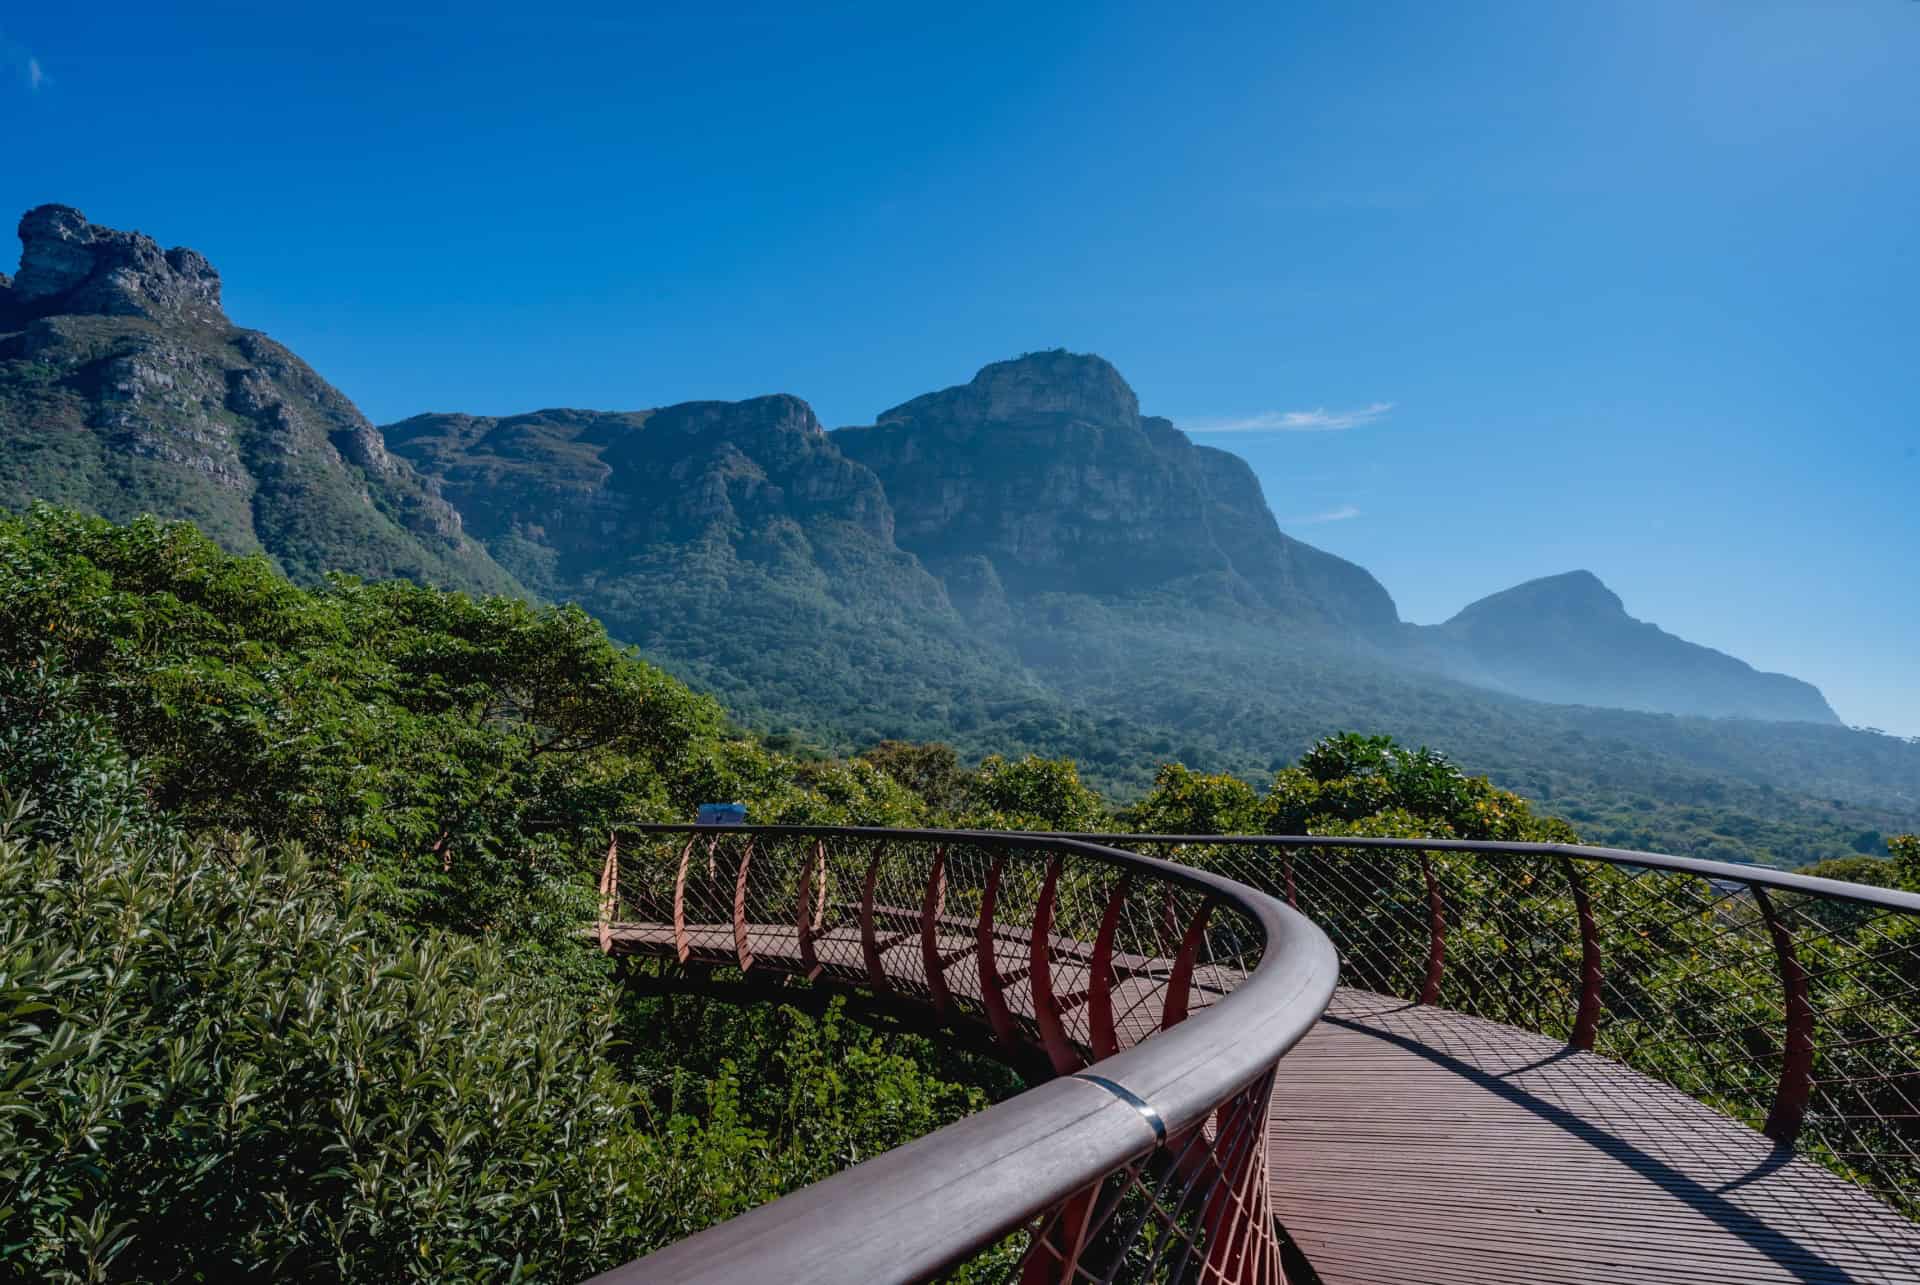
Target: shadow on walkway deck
[(1416, 1145)]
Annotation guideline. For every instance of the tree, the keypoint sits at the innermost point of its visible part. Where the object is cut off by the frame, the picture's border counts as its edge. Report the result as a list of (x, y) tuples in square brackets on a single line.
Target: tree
[(1183, 801), (931, 770), (1031, 794), (1353, 784)]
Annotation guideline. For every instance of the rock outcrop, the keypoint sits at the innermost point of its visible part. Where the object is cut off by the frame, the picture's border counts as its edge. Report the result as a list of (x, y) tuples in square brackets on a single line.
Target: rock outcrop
[(73, 267), (589, 487), (125, 390), (1044, 467)]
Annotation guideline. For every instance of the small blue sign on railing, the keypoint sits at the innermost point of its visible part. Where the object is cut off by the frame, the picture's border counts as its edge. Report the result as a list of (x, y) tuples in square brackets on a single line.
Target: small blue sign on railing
[(722, 814)]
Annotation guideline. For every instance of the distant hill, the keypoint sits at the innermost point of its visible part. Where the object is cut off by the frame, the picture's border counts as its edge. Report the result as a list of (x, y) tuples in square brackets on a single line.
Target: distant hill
[(1569, 639), (124, 390)]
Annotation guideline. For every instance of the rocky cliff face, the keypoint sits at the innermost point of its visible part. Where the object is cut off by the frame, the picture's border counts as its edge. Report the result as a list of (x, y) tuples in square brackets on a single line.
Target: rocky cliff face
[(1044, 470), (1569, 639), (124, 389), (735, 543), (588, 488), (68, 265)]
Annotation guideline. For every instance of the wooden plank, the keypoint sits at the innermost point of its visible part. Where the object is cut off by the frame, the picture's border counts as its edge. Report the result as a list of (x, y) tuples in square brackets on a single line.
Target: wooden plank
[(1416, 1145)]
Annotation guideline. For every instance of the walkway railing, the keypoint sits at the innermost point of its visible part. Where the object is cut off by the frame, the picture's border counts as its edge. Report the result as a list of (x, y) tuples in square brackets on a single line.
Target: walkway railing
[(1160, 996), (1788, 1002)]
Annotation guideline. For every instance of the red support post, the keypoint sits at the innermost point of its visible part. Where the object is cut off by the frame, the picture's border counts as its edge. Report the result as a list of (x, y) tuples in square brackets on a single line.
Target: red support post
[(1180, 983), (1105, 1039), (930, 911), (869, 941), (1586, 1023), (680, 903), (1046, 1010), (990, 984), (1790, 1096), (740, 943), (1436, 934)]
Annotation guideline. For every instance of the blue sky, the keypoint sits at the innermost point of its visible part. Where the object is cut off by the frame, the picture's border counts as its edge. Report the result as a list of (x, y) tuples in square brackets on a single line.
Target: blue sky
[(1483, 291)]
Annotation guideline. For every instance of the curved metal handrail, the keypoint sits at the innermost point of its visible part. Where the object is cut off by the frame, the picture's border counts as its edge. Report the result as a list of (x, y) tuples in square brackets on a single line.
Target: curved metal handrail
[(1060, 1158), (1787, 1001), (1721, 871)]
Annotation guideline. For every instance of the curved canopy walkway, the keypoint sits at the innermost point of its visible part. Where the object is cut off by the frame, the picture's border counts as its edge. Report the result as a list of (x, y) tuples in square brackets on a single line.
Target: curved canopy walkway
[(1546, 1064)]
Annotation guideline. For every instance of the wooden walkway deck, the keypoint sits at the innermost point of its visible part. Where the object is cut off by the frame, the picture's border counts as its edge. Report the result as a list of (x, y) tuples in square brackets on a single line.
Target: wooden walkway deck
[(1414, 1144), (1418, 1146)]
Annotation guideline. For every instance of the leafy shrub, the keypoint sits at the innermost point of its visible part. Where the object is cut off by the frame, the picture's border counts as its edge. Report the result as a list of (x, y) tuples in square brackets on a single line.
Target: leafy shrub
[(215, 1069)]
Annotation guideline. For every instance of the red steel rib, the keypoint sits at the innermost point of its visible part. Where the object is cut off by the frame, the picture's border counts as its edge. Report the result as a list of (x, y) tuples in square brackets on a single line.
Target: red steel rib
[(807, 918), (609, 891), (1105, 1040), (1436, 934), (740, 951), (1586, 1023), (930, 911), (680, 903), (869, 942), (1046, 1010), (1181, 980), (990, 983), (1796, 1054)]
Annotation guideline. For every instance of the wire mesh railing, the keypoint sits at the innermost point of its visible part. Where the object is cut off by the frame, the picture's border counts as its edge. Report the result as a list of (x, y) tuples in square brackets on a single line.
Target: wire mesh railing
[(1789, 1003), (1144, 1159)]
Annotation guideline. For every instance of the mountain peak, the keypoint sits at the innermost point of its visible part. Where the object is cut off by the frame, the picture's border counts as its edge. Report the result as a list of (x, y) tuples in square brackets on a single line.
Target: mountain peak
[(1568, 639), (1574, 594), (71, 266), (1034, 386), (774, 413)]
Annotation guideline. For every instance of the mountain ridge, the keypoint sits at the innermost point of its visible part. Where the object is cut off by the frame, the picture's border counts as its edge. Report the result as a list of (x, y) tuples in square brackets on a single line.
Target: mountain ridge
[(1021, 563)]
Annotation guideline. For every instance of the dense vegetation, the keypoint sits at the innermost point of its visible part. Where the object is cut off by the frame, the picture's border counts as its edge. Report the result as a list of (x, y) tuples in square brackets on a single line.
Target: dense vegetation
[(291, 883), (276, 856)]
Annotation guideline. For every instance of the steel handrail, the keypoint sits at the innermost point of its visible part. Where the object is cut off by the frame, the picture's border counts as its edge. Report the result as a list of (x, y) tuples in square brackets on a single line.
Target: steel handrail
[(991, 1173), (1718, 871), (1835, 1033)]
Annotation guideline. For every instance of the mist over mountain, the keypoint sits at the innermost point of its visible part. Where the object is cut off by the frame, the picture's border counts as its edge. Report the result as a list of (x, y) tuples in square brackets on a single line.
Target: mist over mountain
[(1020, 563), (125, 390)]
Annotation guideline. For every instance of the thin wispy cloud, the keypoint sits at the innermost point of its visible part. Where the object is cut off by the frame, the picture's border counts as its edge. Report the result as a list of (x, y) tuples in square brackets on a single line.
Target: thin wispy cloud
[(17, 60), (1340, 514), (1318, 420)]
